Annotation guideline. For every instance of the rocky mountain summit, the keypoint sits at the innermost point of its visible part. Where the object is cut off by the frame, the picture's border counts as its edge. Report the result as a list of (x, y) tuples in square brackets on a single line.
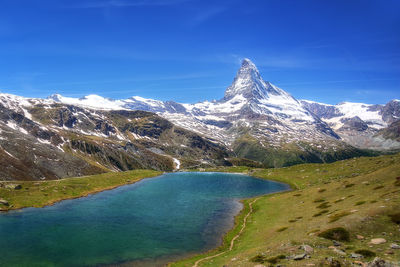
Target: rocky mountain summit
[(254, 123)]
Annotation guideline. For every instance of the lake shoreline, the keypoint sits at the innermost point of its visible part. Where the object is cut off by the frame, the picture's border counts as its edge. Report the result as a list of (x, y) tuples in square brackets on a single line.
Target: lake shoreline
[(55, 201), (88, 192), (51, 202), (238, 219)]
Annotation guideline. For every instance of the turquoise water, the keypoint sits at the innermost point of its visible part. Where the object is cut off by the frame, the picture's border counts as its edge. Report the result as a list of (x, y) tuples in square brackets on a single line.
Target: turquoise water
[(166, 217)]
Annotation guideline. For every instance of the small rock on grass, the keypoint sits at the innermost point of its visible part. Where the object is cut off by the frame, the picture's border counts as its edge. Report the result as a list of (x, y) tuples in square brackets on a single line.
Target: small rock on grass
[(331, 262), (359, 263), (377, 241), (377, 262), (13, 186), (339, 251), (300, 257), (336, 243), (4, 202), (394, 246), (308, 249), (356, 256), (360, 237)]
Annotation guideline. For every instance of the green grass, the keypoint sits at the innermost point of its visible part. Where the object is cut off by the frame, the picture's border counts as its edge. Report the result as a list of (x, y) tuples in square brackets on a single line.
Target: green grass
[(361, 202), (378, 187), (338, 216), (320, 213), (282, 229), (395, 217), (42, 193), (366, 253), (338, 234), (323, 205), (277, 211), (267, 233), (262, 258)]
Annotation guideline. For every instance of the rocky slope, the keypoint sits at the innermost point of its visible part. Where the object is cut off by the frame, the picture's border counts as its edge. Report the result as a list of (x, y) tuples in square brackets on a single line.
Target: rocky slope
[(42, 139)]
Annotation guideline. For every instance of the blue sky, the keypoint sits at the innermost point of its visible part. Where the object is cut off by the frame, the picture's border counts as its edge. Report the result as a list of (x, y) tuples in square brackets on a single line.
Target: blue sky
[(190, 50)]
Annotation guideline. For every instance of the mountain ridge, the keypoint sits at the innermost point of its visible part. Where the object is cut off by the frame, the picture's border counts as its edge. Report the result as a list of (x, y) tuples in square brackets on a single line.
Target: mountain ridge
[(251, 96), (255, 120)]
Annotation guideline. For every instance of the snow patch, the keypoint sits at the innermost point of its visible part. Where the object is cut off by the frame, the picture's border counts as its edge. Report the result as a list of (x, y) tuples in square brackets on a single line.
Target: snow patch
[(44, 141), (14, 126), (177, 163), (92, 101), (362, 111)]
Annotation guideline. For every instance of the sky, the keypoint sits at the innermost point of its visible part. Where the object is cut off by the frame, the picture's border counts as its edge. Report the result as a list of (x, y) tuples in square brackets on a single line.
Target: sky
[(190, 50)]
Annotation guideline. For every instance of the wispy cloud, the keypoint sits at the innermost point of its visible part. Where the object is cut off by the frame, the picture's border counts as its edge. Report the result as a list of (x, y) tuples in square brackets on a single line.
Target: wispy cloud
[(339, 81), (282, 61), (127, 3), (189, 76), (206, 15), (308, 61)]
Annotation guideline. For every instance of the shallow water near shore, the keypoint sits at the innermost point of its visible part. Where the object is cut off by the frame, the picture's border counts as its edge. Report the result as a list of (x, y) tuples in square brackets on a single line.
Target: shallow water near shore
[(150, 222)]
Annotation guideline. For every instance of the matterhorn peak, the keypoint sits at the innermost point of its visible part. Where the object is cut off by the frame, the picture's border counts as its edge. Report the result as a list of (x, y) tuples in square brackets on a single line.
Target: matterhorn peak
[(248, 70), (249, 84), (248, 64)]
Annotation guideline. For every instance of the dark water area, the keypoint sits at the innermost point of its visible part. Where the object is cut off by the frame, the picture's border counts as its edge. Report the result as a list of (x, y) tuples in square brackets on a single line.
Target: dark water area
[(144, 224)]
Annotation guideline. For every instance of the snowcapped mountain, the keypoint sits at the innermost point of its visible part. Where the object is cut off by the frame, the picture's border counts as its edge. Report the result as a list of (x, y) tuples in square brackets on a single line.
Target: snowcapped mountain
[(359, 124), (250, 102), (253, 115), (269, 114), (255, 123), (45, 139), (254, 106)]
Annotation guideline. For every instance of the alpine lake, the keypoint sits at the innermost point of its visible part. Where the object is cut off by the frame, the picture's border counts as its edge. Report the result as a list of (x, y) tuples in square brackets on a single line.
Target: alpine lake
[(149, 223)]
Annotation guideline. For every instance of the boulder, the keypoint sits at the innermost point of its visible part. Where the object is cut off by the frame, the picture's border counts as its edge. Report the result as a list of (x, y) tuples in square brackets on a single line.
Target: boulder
[(339, 251), (359, 263), (356, 256), (308, 249), (331, 262), (377, 262), (4, 202), (300, 257), (13, 186), (377, 241), (336, 243)]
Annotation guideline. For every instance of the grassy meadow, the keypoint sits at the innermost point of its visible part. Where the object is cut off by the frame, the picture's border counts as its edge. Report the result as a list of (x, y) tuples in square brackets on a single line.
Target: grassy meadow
[(360, 195), (42, 193)]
